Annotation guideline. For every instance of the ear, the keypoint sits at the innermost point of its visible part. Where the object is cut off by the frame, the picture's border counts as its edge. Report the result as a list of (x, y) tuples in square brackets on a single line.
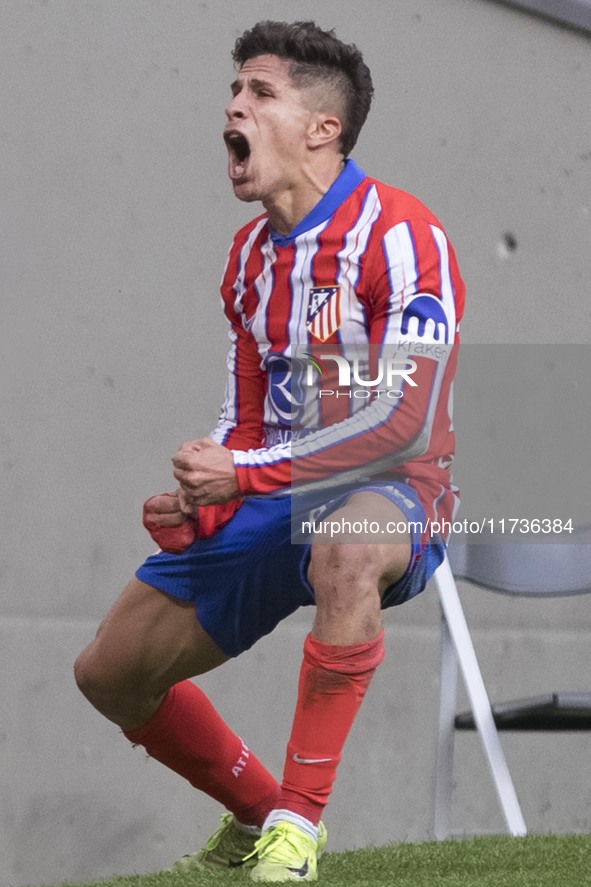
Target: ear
[(324, 129)]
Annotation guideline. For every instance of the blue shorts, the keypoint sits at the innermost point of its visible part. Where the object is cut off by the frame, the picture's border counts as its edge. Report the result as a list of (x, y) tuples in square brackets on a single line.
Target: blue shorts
[(251, 574)]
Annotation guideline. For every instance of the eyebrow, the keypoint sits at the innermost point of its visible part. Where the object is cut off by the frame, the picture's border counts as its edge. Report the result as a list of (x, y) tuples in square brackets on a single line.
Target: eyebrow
[(256, 82)]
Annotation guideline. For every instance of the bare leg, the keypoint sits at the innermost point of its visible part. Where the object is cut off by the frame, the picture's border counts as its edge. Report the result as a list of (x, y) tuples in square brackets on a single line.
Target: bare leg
[(350, 574), (147, 642), (135, 673)]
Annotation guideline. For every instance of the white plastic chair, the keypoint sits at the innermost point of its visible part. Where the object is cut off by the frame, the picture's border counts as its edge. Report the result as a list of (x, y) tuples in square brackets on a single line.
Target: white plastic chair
[(535, 569)]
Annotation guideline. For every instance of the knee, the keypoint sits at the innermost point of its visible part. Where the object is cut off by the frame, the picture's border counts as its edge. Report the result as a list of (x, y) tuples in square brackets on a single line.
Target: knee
[(346, 587), (338, 569), (121, 694), (89, 675), (355, 572), (107, 688)]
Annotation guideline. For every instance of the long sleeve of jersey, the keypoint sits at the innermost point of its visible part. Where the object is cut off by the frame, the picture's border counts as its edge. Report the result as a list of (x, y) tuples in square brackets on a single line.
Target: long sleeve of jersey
[(372, 289)]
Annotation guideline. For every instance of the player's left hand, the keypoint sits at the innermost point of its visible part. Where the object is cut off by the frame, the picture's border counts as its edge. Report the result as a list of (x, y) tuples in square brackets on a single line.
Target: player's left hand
[(168, 525), (206, 474)]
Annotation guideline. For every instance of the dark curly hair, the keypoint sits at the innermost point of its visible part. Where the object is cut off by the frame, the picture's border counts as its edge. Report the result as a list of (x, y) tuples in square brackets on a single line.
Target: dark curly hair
[(318, 58)]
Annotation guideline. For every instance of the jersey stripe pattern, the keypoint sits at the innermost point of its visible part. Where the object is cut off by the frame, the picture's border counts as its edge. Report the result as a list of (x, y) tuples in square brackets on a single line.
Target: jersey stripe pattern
[(371, 277)]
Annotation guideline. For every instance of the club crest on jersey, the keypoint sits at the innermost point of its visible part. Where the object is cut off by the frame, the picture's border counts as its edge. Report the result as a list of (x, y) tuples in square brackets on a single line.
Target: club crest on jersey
[(324, 311)]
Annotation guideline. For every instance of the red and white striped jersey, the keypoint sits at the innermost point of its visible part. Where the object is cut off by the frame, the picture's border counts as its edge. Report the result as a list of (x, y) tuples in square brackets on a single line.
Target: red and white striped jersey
[(369, 272)]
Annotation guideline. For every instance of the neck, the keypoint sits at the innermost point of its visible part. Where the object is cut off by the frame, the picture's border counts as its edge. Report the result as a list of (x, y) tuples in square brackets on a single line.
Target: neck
[(287, 209)]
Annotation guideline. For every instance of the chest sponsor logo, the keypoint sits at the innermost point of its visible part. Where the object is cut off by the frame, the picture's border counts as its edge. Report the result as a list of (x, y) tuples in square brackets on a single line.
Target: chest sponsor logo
[(285, 390), (324, 311)]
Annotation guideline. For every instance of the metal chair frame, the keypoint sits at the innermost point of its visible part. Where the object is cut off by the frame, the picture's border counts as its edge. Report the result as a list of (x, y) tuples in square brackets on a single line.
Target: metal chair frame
[(530, 568)]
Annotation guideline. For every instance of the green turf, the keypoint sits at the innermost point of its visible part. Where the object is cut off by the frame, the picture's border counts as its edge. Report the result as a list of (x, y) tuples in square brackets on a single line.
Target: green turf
[(534, 861)]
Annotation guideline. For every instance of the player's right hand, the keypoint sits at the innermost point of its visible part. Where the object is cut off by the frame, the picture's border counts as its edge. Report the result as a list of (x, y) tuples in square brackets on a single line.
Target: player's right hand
[(168, 525)]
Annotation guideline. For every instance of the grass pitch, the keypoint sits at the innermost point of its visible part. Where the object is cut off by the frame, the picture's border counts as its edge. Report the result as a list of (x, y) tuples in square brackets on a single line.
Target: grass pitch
[(533, 861)]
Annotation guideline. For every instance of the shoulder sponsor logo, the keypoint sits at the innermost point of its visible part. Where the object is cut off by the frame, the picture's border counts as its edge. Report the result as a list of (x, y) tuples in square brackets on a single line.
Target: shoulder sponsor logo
[(424, 319)]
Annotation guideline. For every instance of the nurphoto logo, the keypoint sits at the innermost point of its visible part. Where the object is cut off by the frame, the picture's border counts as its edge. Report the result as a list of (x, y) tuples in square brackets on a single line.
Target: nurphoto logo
[(352, 376)]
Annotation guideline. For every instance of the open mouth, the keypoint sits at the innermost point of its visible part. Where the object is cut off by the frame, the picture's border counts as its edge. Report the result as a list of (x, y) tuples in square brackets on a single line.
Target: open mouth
[(239, 151)]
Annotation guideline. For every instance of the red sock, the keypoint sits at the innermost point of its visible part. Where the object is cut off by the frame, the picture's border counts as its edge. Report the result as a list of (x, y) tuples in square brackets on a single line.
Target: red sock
[(333, 681), (189, 736)]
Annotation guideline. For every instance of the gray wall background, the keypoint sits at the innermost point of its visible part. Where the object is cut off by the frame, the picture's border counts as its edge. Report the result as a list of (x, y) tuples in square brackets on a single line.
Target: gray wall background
[(116, 217)]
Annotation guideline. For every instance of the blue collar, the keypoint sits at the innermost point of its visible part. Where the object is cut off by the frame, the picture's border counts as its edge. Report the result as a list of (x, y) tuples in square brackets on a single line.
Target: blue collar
[(341, 188)]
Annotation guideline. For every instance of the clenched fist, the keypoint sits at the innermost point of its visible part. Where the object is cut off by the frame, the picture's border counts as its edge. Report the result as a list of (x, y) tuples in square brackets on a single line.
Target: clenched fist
[(171, 528), (206, 474)]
